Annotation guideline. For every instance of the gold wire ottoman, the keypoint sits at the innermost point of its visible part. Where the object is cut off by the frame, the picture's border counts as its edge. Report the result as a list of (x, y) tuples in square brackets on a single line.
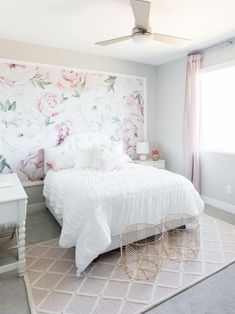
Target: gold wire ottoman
[(141, 251), (181, 236)]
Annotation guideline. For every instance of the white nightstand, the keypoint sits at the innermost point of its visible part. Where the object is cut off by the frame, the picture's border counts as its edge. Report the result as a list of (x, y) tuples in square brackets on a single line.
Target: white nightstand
[(13, 202), (160, 164)]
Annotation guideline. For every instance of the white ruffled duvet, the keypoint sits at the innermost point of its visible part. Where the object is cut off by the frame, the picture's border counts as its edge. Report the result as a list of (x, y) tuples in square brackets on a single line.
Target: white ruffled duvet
[(96, 205)]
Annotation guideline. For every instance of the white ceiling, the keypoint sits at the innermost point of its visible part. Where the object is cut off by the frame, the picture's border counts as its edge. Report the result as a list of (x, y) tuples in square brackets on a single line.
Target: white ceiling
[(77, 24)]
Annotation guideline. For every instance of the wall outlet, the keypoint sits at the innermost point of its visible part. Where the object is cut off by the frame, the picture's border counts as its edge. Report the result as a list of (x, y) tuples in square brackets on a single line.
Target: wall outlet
[(228, 189)]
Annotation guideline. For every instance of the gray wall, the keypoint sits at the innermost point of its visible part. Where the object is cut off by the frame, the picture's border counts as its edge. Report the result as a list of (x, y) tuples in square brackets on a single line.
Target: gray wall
[(223, 54), (218, 170), (170, 106), (35, 196)]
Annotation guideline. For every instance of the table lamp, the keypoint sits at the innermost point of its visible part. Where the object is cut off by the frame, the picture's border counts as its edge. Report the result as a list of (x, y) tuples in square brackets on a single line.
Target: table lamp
[(142, 149)]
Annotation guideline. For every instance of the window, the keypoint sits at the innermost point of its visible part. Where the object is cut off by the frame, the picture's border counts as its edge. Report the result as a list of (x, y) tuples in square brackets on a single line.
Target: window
[(218, 110)]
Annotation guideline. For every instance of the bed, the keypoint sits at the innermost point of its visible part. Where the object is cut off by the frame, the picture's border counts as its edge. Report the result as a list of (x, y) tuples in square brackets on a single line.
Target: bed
[(93, 207)]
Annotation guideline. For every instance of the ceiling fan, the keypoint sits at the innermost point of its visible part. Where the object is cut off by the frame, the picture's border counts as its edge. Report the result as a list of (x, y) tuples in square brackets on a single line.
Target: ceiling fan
[(141, 32)]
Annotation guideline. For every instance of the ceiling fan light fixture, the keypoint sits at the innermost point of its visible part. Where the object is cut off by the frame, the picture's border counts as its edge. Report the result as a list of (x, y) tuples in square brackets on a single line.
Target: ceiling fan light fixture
[(142, 38), (142, 33)]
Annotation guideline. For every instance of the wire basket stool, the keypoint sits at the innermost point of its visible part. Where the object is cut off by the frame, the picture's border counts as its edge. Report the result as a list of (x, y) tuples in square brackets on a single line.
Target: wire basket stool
[(181, 236), (141, 251)]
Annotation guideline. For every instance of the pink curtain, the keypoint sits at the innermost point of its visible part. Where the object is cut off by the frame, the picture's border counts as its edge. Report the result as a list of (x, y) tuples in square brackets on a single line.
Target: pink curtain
[(192, 120)]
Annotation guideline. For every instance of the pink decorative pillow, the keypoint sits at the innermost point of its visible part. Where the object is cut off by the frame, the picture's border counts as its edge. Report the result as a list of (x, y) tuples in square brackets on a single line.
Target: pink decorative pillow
[(113, 162)]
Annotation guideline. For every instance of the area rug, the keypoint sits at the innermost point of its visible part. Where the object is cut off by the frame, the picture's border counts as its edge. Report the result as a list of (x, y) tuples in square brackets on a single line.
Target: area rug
[(53, 287)]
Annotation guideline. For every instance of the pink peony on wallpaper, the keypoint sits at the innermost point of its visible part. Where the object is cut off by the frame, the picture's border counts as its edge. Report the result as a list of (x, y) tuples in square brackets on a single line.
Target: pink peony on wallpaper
[(40, 106)]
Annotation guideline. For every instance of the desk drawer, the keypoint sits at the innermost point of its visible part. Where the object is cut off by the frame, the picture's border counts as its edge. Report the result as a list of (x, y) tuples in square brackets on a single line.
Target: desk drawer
[(9, 212)]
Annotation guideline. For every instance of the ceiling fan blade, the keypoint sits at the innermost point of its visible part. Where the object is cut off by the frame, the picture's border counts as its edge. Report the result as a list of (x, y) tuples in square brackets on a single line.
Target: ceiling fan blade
[(172, 40), (113, 41), (141, 10)]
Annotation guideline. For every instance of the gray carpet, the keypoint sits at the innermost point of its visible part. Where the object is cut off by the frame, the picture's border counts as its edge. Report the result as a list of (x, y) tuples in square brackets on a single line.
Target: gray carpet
[(40, 226), (215, 295), (13, 298)]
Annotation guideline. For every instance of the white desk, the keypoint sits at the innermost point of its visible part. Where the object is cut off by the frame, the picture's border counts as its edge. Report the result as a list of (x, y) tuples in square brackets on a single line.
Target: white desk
[(13, 201)]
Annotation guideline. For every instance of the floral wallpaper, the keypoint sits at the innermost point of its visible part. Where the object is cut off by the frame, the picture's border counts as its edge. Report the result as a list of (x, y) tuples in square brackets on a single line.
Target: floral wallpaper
[(40, 106)]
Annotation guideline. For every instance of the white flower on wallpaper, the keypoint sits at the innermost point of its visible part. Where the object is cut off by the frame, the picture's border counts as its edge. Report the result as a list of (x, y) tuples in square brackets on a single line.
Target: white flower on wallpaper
[(24, 132), (40, 107)]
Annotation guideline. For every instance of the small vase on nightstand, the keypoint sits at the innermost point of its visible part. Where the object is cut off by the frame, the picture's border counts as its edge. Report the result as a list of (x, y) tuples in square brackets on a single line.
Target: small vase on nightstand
[(155, 154), (155, 157)]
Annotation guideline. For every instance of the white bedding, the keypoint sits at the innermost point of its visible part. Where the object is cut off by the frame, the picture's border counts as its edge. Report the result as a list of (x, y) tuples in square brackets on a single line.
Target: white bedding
[(96, 205)]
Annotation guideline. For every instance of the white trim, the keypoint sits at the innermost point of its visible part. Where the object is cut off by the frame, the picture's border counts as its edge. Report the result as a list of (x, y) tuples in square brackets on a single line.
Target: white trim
[(219, 204), (32, 183), (34, 207), (8, 267), (66, 67)]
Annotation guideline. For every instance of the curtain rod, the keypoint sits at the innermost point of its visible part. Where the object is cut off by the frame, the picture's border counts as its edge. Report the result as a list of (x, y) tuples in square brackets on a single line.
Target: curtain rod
[(229, 41)]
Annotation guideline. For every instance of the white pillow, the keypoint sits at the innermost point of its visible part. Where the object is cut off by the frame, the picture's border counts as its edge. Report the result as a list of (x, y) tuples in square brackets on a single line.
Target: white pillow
[(105, 150), (64, 156), (84, 158), (100, 151), (116, 148), (113, 162), (57, 158), (81, 150), (65, 160)]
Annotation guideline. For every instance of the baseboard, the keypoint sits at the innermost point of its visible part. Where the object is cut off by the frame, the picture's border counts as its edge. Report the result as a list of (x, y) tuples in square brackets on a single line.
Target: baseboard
[(219, 204), (36, 207)]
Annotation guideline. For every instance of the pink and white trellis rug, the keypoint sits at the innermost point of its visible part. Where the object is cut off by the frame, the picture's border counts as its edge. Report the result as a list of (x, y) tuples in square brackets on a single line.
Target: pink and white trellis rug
[(53, 287)]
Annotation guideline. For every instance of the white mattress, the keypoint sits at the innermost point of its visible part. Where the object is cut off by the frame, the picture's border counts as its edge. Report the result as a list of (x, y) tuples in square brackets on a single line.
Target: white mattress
[(96, 206)]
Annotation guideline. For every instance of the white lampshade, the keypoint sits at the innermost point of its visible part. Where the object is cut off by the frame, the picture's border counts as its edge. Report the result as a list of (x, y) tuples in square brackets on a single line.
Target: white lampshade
[(142, 148)]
